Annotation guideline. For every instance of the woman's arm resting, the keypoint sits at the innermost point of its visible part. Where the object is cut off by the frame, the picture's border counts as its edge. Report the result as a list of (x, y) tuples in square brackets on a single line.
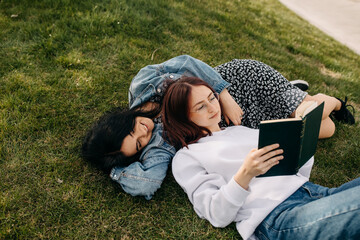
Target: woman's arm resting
[(230, 109)]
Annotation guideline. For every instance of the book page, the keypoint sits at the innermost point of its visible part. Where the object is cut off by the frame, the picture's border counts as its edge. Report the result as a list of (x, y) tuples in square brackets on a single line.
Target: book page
[(281, 120)]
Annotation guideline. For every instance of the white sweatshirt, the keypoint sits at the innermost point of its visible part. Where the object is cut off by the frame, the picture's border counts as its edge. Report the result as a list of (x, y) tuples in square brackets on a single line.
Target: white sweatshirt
[(205, 171)]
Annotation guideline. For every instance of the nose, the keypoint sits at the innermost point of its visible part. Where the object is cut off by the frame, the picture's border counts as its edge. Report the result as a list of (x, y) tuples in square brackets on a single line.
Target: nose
[(211, 107)]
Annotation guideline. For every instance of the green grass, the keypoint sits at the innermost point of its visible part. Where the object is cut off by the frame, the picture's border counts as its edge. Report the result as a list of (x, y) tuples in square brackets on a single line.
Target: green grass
[(64, 63)]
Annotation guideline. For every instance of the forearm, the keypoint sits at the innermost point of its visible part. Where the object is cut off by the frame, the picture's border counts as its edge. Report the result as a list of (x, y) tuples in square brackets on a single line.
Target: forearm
[(243, 178), (198, 68), (225, 96), (230, 109), (148, 81)]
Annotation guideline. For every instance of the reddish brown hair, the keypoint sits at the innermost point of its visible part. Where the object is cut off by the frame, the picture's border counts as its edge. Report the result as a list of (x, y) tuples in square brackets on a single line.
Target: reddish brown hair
[(178, 129)]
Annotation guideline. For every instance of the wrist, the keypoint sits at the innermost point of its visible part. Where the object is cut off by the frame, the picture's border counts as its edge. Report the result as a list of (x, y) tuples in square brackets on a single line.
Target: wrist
[(243, 178), (224, 97), (224, 94)]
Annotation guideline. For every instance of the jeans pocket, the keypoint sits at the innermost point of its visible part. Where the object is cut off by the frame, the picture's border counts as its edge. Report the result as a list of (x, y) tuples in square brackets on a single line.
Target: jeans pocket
[(261, 235), (313, 190)]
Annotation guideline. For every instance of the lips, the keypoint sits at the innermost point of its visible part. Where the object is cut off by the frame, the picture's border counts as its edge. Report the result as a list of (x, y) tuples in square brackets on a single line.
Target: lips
[(215, 115)]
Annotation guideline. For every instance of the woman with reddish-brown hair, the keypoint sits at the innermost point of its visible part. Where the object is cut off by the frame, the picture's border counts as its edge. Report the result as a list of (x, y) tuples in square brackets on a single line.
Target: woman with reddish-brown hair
[(188, 132), (127, 143), (218, 168)]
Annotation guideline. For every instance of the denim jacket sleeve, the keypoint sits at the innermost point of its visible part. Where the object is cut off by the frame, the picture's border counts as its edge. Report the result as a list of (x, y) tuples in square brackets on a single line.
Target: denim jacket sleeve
[(149, 79), (143, 178)]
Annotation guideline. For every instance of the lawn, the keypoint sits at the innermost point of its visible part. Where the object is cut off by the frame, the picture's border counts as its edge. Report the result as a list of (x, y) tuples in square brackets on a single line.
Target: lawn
[(64, 63)]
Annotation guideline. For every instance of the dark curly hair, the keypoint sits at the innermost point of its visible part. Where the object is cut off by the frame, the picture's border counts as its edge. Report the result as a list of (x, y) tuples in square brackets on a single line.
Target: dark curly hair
[(102, 143)]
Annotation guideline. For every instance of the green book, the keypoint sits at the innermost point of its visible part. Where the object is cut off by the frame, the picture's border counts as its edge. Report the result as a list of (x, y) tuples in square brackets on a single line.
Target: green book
[(297, 137)]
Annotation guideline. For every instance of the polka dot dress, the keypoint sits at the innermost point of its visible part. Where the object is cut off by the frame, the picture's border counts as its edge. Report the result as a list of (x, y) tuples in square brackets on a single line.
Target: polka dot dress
[(261, 91)]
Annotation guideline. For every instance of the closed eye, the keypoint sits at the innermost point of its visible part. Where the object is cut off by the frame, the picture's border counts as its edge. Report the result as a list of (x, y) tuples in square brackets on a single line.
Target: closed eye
[(201, 107), (138, 145)]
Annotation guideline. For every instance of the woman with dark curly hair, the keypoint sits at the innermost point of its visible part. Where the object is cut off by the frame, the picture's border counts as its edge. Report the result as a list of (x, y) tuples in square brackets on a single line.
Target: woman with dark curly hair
[(250, 91)]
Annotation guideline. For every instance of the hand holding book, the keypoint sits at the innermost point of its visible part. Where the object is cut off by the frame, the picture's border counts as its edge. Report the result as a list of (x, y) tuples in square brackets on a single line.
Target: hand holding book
[(297, 137), (258, 161)]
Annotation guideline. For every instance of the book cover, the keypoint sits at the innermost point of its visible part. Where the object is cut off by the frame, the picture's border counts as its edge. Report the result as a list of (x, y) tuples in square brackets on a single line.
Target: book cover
[(297, 137)]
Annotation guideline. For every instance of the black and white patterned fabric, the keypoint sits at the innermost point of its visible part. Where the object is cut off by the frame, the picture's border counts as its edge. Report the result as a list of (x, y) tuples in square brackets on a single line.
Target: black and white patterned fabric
[(261, 91)]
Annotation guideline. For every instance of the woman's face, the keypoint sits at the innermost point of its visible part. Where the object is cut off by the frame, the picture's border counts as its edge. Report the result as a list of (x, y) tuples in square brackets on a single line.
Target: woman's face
[(139, 137), (204, 108)]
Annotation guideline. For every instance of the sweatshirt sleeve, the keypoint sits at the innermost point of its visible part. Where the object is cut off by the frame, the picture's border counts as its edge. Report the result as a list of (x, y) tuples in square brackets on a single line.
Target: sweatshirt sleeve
[(213, 198)]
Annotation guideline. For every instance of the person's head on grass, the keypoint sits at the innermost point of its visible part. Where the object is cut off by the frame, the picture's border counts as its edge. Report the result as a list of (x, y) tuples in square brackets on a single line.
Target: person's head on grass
[(191, 110), (117, 138)]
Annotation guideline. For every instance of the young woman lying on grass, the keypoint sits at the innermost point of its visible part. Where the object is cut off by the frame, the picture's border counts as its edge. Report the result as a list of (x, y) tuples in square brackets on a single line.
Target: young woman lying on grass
[(250, 91), (217, 168)]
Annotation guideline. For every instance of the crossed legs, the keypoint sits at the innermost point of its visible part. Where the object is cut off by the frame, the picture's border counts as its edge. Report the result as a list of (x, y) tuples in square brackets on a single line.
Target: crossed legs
[(327, 128)]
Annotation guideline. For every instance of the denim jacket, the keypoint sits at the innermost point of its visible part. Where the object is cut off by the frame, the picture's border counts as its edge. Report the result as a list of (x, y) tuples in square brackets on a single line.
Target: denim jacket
[(149, 79), (143, 178)]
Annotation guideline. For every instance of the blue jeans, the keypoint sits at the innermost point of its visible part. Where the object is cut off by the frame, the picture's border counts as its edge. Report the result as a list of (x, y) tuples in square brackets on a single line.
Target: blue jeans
[(316, 212)]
